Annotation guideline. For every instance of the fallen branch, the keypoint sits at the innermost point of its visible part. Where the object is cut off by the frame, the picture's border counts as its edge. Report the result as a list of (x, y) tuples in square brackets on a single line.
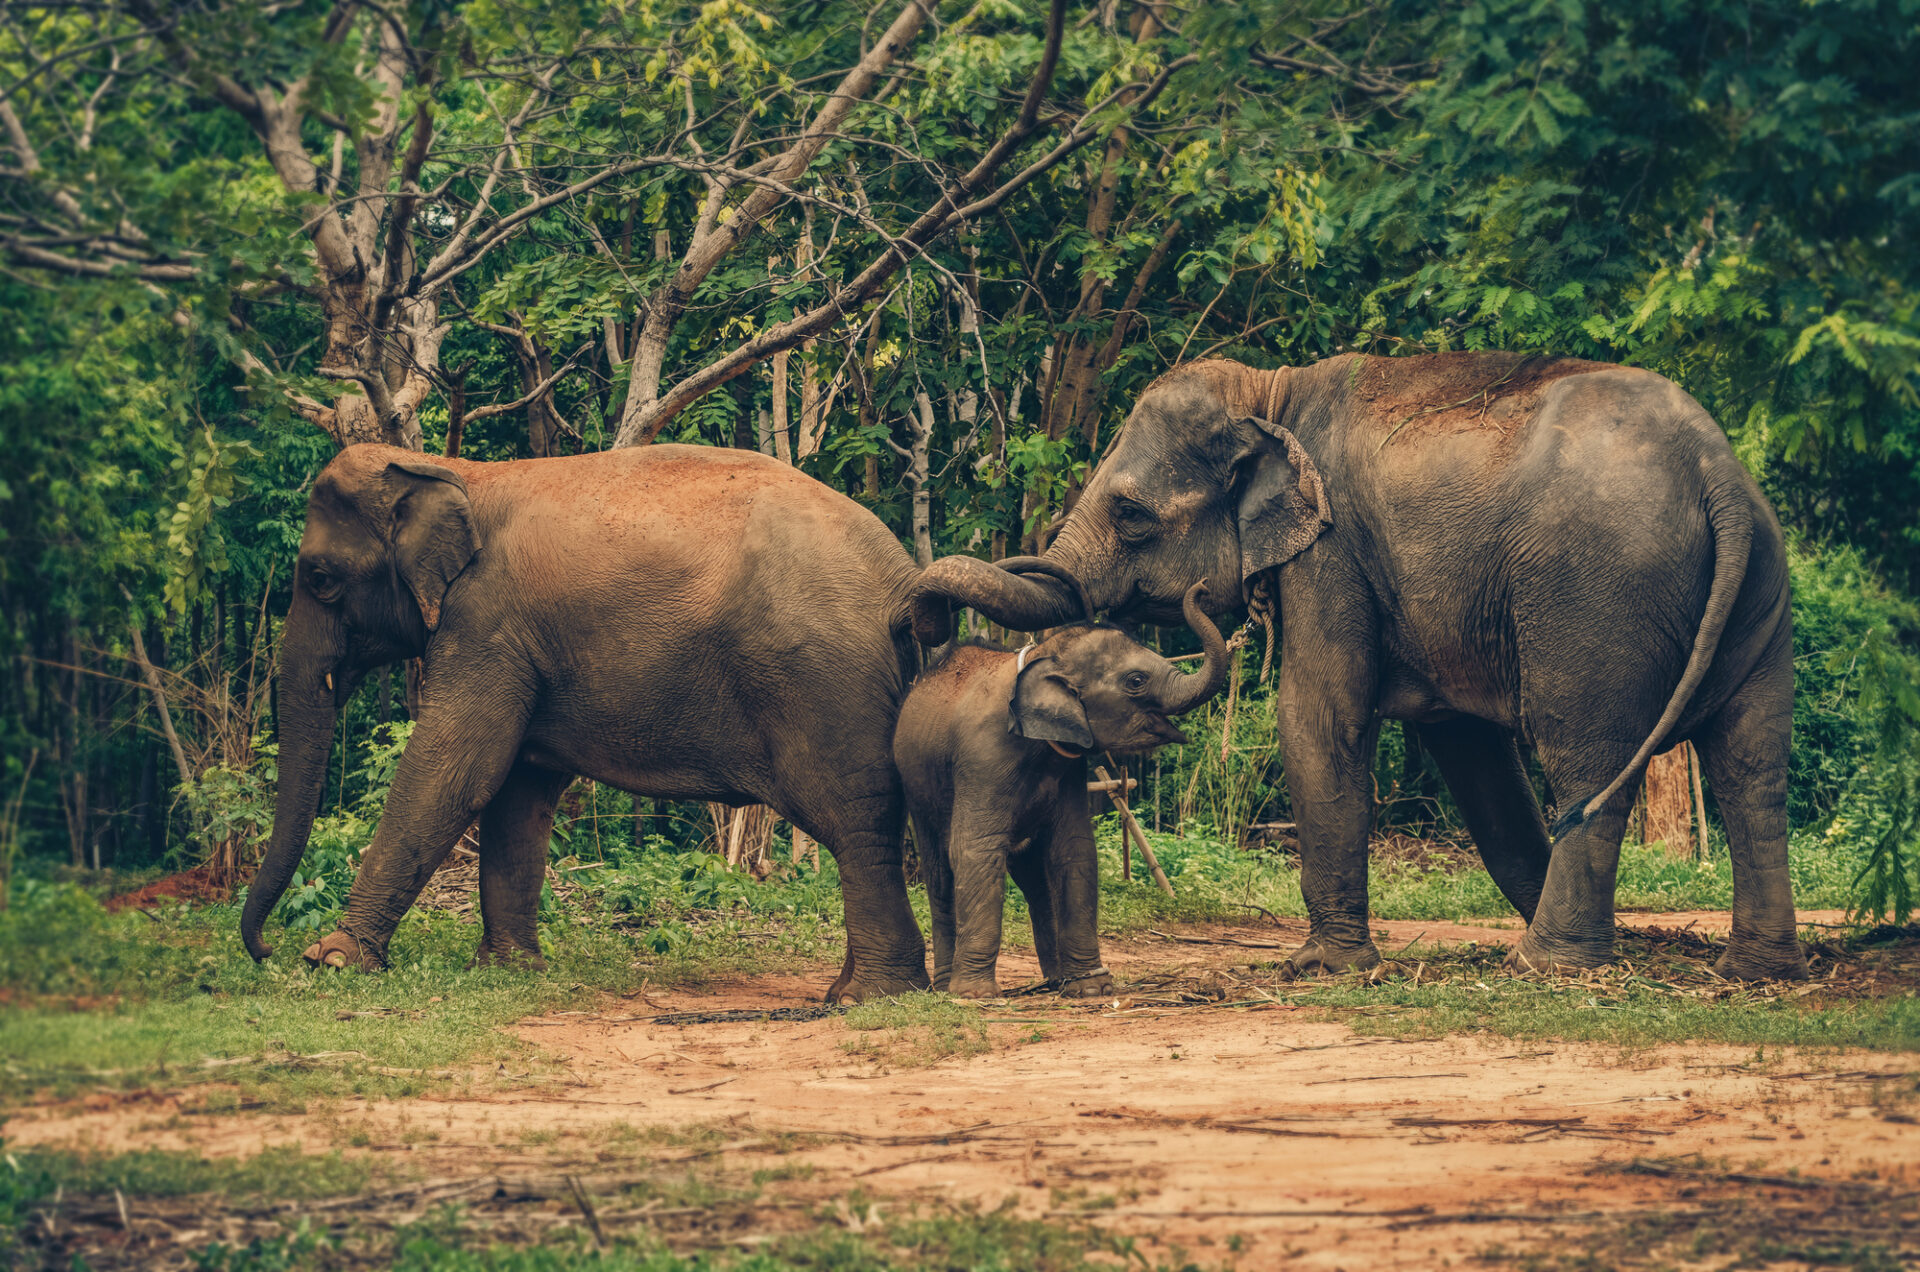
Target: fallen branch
[(1216, 940)]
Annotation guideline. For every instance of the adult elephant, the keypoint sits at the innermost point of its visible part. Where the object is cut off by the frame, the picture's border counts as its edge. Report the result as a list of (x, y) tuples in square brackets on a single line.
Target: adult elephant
[(676, 621), (1489, 547)]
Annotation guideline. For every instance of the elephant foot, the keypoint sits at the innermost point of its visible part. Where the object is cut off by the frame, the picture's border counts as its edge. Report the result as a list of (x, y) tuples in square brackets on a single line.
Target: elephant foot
[(1097, 983), (337, 949), (1537, 953), (507, 956), (1758, 960), (1320, 957), (863, 986), (974, 987)]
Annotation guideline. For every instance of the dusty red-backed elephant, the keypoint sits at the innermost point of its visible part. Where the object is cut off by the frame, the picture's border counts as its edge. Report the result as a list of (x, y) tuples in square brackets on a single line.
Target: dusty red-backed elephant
[(1492, 548), (676, 621)]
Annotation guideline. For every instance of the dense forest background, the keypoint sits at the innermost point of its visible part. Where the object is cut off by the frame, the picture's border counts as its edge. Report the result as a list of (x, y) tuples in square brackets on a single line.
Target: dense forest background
[(927, 252)]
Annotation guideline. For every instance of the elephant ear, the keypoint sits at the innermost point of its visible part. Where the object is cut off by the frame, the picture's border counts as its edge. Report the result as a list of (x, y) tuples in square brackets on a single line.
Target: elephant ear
[(432, 536), (1283, 503), (1046, 709)]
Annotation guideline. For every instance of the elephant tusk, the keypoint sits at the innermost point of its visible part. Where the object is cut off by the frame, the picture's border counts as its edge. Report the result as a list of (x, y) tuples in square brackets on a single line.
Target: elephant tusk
[(329, 682)]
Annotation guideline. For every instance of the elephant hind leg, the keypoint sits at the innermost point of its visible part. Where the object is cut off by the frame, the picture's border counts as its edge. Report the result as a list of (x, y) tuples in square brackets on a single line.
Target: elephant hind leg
[(515, 831), (930, 836), (1028, 867), (1572, 926), (1481, 763), (858, 812), (1743, 753)]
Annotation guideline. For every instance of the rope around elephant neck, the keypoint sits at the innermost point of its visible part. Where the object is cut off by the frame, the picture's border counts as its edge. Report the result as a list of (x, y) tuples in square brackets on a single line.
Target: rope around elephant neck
[(1259, 610)]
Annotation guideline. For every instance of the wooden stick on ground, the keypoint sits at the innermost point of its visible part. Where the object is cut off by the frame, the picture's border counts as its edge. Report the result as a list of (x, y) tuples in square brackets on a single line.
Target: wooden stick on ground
[(1699, 799), (1139, 836)]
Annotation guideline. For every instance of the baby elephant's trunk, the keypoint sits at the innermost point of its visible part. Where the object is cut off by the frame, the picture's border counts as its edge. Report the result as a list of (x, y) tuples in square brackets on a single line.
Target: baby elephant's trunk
[(1192, 690)]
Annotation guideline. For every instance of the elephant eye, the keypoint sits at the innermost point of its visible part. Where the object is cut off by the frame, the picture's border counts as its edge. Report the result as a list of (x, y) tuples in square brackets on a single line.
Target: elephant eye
[(1135, 682), (321, 582), (1134, 519)]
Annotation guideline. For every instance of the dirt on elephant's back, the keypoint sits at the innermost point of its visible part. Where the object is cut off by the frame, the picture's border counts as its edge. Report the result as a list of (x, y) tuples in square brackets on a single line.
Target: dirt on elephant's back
[(1451, 392)]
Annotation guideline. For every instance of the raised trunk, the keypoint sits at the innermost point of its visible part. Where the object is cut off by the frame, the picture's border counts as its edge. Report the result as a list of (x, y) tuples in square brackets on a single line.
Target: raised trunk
[(1203, 684)]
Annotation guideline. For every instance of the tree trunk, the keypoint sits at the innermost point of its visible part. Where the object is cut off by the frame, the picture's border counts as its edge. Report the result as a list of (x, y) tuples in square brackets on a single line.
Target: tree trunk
[(919, 477), (782, 441), (1667, 802)]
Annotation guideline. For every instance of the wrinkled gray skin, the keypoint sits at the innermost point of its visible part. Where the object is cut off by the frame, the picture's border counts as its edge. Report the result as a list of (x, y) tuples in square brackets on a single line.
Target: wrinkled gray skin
[(1492, 549), (994, 758), (675, 621)]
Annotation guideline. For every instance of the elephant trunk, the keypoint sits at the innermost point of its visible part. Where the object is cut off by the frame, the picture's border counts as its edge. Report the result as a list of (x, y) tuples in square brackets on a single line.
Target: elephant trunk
[(1194, 689), (1012, 600), (1054, 570), (306, 736)]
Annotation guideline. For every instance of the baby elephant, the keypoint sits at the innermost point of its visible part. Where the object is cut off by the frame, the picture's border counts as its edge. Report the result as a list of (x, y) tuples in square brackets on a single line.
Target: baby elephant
[(992, 746)]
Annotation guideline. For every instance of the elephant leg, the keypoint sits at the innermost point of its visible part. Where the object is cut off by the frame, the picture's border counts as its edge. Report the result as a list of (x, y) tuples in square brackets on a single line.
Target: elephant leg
[(931, 836), (859, 812), (1029, 868), (1071, 872), (978, 849), (1328, 734), (1481, 763), (515, 830), (1572, 925), (1743, 752), (457, 759)]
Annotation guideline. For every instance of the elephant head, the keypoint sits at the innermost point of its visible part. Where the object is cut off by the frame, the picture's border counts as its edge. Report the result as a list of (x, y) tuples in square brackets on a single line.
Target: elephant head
[(1205, 481), (1096, 689), (387, 533)]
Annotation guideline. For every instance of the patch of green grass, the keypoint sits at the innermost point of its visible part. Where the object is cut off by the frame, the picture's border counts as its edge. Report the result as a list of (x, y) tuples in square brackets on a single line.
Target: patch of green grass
[(187, 995), (170, 998), (734, 1222), (1214, 882), (1643, 1001), (915, 1029), (279, 1174)]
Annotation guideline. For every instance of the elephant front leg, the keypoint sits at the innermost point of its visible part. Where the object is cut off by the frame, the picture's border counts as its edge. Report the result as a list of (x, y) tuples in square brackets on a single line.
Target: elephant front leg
[(516, 829), (1329, 749), (1070, 875), (457, 759), (979, 857)]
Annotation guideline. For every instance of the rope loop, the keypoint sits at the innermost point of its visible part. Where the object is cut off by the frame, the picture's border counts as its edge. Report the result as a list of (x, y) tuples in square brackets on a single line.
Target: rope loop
[(1259, 610)]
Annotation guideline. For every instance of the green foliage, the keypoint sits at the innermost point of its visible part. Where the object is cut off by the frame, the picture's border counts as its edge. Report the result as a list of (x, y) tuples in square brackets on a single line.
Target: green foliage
[(1720, 192)]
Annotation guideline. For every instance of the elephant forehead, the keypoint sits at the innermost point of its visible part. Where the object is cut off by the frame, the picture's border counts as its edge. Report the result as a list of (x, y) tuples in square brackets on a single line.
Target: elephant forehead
[(358, 463), (1182, 503), (1093, 649)]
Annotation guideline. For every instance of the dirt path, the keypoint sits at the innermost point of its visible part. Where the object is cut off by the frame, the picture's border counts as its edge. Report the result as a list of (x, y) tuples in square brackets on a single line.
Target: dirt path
[(1242, 1133)]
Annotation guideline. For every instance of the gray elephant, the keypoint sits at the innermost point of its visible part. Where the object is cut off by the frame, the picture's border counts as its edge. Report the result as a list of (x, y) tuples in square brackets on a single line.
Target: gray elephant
[(992, 745), (676, 621), (1491, 548)]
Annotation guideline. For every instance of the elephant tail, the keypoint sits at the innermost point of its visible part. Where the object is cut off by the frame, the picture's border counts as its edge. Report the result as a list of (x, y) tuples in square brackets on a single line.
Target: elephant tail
[(1731, 519)]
